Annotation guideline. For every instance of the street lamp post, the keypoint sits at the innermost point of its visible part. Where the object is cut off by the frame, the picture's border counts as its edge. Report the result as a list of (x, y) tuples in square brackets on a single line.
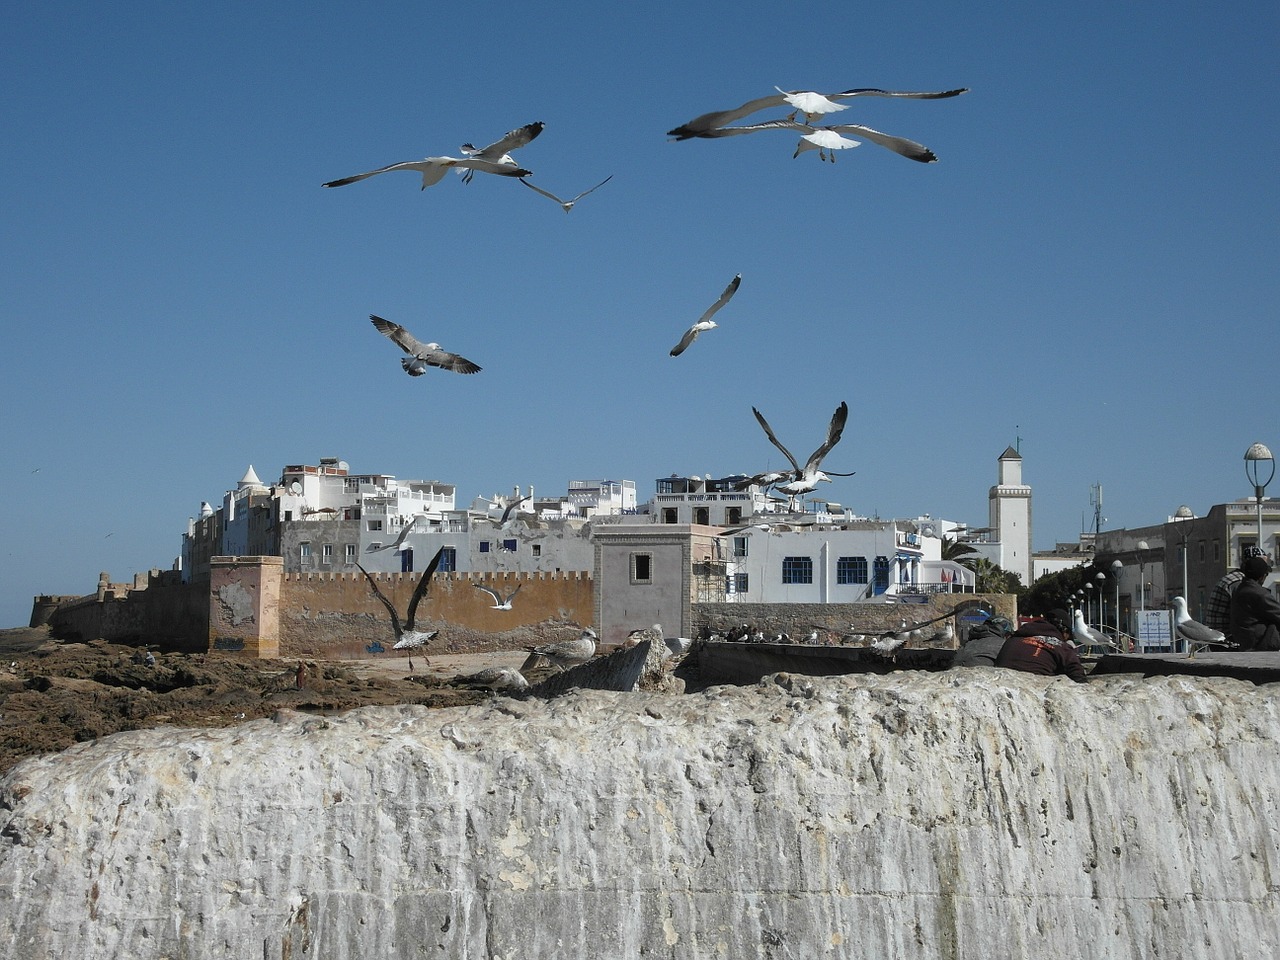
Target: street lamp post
[(1088, 599), (1181, 514), (1259, 463), (1116, 567)]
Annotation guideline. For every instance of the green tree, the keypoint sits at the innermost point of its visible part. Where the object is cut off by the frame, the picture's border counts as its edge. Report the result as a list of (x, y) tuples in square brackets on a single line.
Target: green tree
[(1055, 590), (991, 577), (953, 549)]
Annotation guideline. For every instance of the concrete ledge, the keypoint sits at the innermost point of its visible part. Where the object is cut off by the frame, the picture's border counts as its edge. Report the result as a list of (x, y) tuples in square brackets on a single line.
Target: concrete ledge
[(1254, 667), (745, 663)]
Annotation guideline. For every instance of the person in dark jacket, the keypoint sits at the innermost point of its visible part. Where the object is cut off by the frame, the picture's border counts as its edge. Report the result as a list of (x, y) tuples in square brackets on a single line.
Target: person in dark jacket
[(1255, 613), (1042, 647), (983, 644)]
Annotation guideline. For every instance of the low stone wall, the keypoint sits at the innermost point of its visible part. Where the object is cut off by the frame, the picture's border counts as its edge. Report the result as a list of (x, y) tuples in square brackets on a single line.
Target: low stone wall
[(835, 620)]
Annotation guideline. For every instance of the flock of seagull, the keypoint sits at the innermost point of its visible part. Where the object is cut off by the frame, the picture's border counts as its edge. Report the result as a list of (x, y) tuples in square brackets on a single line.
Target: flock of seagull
[(807, 111)]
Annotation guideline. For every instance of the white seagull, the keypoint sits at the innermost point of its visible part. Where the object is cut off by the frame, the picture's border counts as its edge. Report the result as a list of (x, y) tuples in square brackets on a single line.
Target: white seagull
[(568, 654), (812, 105), (421, 355), (499, 151), (500, 602), (807, 478), (827, 139), (705, 322), (407, 638), (1084, 634), (399, 540), (1194, 632), (567, 204), (494, 158)]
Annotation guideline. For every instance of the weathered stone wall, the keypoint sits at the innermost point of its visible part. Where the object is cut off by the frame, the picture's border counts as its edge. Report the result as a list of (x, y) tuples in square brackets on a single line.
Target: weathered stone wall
[(919, 816), (837, 619), (337, 615)]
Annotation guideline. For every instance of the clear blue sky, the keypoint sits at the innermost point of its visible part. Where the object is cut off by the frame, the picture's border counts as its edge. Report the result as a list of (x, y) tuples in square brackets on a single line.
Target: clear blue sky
[(1091, 265)]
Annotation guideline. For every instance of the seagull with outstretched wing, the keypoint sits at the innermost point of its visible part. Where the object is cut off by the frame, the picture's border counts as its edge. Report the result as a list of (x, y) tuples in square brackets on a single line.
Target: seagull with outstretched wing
[(399, 540), (499, 151), (499, 602), (705, 322), (806, 478), (407, 638), (421, 355), (567, 204), (812, 105), (827, 139)]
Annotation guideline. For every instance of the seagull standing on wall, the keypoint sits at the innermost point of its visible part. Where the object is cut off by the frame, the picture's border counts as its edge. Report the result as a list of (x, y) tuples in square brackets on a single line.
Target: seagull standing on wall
[(1193, 631), (421, 355), (568, 654), (407, 638), (705, 322)]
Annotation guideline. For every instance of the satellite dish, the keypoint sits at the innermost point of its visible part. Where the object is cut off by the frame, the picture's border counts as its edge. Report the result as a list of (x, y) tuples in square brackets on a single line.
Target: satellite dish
[(295, 488), (927, 530)]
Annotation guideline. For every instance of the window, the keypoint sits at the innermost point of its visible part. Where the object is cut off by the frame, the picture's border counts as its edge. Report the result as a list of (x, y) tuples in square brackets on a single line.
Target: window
[(304, 550), (484, 546), (351, 553), (701, 515), (509, 546), (740, 546), (733, 516), (669, 515), (326, 553), (375, 526), (851, 570), (536, 549), (735, 583), (642, 568), (797, 570), (448, 560)]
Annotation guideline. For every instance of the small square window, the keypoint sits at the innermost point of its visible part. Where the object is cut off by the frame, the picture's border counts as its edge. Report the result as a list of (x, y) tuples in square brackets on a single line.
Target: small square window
[(509, 546), (484, 546), (642, 568), (536, 549)]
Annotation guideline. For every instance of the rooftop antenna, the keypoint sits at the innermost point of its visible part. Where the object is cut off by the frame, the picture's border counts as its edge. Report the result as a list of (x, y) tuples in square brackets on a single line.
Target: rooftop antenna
[(1095, 498)]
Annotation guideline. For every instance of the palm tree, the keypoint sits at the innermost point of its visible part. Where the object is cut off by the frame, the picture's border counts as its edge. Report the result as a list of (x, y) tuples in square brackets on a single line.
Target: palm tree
[(953, 549)]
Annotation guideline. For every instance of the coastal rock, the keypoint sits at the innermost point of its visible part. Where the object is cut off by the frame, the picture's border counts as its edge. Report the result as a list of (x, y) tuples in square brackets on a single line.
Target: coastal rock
[(974, 813)]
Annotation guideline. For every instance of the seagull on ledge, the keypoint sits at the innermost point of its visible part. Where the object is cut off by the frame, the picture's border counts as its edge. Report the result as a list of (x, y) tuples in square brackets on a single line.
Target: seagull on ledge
[(568, 654), (421, 355), (407, 638), (705, 322), (1195, 633)]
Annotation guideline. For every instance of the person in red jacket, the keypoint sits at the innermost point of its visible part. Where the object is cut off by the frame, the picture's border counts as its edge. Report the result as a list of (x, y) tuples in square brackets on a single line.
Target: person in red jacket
[(1042, 647)]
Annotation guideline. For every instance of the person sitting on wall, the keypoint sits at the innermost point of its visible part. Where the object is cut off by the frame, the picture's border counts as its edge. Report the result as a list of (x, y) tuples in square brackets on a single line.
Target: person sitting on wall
[(1255, 613), (1042, 647), (1217, 610), (983, 644)]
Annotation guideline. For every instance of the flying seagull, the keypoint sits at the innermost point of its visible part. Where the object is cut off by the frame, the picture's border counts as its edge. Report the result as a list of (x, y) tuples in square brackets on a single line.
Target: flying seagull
[(567, 204), (500, 602), (807, 478), (705, 322), (407, 638), (421, 355), (494, 158), (499, 151), (1195, 633), (570, 653), (828, 139), (812, 105), (404, 532)]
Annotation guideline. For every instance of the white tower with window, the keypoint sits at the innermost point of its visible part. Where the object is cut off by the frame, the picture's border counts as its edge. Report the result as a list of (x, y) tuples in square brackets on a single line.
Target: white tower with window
[(1009, 511)]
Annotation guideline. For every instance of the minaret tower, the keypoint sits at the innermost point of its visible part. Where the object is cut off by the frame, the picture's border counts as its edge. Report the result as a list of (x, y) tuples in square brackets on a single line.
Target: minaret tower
[(1009, 512)]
